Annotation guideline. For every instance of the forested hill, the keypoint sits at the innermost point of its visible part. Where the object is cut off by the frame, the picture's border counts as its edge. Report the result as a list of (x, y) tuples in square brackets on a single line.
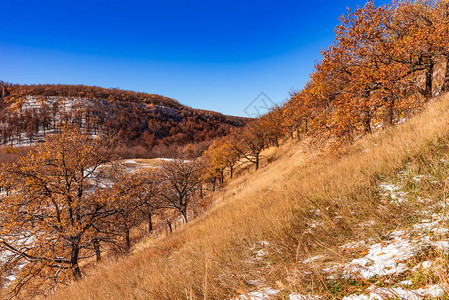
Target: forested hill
[(29, 112)]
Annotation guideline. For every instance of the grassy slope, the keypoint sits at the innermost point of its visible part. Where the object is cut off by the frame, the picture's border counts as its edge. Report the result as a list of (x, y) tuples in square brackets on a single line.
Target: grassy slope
[(301, 204)]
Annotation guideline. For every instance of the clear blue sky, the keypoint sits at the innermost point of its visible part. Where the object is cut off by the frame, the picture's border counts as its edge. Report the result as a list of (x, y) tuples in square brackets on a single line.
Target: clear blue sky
[(217, 55)]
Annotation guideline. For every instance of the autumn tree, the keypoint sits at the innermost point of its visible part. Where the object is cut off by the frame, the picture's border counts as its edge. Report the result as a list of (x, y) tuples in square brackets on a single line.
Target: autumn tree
[(250, 142), (210, 174), (215, 159), (274, 125), (231, 154), (380, 68), (133, 197), (416, 42), (48, 218), (441, 23)]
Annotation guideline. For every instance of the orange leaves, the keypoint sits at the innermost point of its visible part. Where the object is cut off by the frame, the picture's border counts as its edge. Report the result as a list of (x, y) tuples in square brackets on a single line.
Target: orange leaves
[(52, 205), (380, 68)]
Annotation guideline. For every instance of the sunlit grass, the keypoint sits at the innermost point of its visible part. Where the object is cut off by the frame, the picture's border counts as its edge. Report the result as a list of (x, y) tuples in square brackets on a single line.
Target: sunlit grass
[(302, 204)]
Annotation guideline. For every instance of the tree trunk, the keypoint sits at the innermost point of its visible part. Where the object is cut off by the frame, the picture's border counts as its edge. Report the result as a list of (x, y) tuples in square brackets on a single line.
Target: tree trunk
[(367, 122), (445, 87), (150, 222), (97, 249), (232, 171), (366, 110), (257, 161), (169, 226), (127, 239), (184, 213), (390, 113), (429, 80), (76, 271)]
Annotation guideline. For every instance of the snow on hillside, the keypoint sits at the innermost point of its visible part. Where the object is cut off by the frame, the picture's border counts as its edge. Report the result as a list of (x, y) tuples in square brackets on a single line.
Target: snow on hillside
[(59, 110), (398, 256), (56, 110)]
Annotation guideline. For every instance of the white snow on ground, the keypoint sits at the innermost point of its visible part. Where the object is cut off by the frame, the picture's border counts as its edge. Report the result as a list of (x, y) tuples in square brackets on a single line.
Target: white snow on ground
[(406, 282), (375, 293), (423, 265), (419, 178), (393, 256), (260, 254), (262, 294), (312, 259), (130, 161), (13, 275), (172, 159), (354, 245), (132, 166), (434, 226), (166, 159), (66, 106), (296, 296), (393, 191), (383, 259), (259, 251), (313, 224), (390, 257)]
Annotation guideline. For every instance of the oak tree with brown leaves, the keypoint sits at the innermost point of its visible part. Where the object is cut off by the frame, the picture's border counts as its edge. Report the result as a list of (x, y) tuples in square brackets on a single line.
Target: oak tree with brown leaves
[(50, 210)]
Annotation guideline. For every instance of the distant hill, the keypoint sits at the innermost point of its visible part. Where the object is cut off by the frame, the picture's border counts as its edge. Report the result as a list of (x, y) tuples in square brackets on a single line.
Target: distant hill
[(29, 112)]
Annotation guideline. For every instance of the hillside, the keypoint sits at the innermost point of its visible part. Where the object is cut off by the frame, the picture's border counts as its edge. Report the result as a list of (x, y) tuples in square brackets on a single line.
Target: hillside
[(339, 193), (366, 220), (29, 112)]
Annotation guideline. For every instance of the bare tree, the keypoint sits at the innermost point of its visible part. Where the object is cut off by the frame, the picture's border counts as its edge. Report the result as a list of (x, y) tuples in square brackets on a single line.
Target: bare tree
[(180, 179)]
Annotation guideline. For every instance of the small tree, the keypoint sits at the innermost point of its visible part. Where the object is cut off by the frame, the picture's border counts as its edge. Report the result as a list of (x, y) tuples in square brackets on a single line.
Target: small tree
[(130, 196), (250, 142), (215, 158), (180, 179)]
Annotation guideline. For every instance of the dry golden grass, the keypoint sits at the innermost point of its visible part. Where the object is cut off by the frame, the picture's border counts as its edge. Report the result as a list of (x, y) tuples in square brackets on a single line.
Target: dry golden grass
[(215, 256)]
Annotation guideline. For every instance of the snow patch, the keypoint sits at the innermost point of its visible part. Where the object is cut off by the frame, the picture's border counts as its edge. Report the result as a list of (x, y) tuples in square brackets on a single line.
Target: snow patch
[(390, 257), (375, 293), (383, 259), (393, 191), (296, 296), (354, 245), (312, 259), (263, 294)]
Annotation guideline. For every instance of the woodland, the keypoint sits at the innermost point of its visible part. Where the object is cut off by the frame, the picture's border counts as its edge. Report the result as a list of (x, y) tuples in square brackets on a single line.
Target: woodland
[(66, 198)]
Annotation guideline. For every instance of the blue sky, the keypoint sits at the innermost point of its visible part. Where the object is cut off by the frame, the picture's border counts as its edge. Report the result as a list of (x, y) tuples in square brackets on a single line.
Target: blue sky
[(215, 55)]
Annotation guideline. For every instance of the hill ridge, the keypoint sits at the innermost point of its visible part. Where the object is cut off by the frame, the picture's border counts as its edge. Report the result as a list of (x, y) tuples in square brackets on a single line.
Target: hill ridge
[(29, 112)]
